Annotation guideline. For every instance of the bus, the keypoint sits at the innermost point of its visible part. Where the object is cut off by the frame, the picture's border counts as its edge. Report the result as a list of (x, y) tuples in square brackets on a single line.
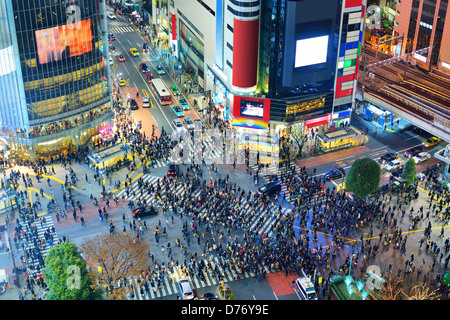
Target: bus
[(161, 91)]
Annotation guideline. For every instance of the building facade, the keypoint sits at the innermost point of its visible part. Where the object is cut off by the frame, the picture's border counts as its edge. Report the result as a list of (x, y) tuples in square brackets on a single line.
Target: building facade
[(270, 66), (423, 24), (55, 86)]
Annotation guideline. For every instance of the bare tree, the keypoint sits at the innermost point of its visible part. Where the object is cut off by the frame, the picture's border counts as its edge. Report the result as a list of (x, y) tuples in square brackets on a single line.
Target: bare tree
[(394, 287), (421, 291), (117, 258)]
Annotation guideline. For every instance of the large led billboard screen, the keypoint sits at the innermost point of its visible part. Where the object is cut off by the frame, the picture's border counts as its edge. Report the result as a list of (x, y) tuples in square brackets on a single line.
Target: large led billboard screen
[(250, 107), (311, 51), (66, 41)]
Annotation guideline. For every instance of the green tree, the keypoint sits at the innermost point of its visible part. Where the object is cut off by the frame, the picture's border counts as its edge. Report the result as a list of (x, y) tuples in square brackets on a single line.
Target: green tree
[(66, 275), (363, 178), (410, 172)]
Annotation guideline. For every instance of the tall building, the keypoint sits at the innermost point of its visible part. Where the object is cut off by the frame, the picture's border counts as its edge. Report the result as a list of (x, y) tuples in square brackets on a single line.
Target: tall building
[(55, 89), (423, 24), (271, 66)]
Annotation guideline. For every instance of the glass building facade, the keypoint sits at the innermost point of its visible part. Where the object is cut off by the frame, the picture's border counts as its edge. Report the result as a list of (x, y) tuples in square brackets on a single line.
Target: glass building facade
[(55, 88)]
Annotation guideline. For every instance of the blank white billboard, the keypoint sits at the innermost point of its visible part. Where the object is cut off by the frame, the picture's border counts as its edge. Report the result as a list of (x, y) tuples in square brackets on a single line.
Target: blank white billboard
[(311, 51)]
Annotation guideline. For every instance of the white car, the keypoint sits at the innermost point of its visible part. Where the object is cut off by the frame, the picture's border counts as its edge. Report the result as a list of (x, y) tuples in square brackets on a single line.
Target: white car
[(145, 102), (185, 289), (189, 123), (421, 157), (178, 125), (393, 165), (111, 15)]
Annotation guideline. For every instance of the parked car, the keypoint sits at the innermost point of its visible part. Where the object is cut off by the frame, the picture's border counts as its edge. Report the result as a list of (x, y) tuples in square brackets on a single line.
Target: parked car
[(189, 123), (270, 188), (335, 174), (144, 68), (421, 157), (177, 109), (185, 288), (387, 157), (133, 105), (413, 150), (393, 165), (431, 142), (144, 212)]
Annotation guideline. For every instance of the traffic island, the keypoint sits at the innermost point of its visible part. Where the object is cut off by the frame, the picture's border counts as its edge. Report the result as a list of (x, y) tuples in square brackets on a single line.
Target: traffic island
[(225, 292)]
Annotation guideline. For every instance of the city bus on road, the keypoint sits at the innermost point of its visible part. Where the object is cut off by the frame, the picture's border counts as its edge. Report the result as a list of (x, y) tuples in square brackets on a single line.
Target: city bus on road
[(161, 91)]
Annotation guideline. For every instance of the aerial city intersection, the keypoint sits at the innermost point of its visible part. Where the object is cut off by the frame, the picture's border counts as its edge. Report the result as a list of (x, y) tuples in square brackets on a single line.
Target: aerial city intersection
[(224, 150)]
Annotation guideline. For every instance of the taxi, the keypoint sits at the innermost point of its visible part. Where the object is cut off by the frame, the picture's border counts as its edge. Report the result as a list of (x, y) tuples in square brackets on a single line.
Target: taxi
[(122, 82), (175, 90), (134, 52), (431, 142)]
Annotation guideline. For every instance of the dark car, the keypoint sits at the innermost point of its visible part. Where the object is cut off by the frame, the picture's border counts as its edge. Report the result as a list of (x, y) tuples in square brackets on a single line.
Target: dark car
[(396, 173), (145, 47), (173, 170), (413, 151), (144, 212), (335, 174), (133, 105), (388, 157), (144, 68), (149, 77), (270, 188), (209, 296)]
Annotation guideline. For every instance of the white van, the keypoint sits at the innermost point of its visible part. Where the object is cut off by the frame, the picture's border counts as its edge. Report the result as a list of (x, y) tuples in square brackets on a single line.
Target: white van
[(305, 288)]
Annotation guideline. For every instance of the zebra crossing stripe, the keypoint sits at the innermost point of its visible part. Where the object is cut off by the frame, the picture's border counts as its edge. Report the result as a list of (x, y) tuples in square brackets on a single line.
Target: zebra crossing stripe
[(169, 287)]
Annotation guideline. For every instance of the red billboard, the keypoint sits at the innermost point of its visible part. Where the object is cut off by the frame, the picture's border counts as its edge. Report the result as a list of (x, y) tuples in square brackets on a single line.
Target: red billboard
[(66, 41), (251, 108), (245, 53)]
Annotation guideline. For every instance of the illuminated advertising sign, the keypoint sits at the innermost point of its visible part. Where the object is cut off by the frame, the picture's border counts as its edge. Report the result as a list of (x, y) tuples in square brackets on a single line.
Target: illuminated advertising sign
[(311, 51), (254, 108), (54, 44)]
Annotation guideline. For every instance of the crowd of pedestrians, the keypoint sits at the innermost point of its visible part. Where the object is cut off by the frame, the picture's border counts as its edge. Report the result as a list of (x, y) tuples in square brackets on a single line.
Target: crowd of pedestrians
[(225, 220)]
